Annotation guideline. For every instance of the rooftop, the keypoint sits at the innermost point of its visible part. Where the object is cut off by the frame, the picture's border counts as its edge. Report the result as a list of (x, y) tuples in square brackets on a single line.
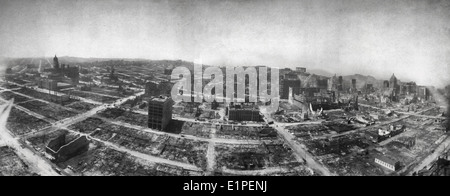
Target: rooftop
[(160, 99)]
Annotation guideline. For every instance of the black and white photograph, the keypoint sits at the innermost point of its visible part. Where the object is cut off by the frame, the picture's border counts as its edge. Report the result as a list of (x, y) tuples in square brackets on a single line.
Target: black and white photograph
[(224, 88)]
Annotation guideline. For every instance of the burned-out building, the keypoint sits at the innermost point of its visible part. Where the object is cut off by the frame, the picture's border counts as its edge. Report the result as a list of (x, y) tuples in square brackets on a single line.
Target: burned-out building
[(317, 98), (354, 85), (407, 142), (408, 88), (387, 163), (215, 105), (385, 84), (295, 84), (369, 88), (151, 88), (46, 83), (423, 93), (243, 113), (322, 83), (63, 148), (394, 84), (340, 83), (159, 112)]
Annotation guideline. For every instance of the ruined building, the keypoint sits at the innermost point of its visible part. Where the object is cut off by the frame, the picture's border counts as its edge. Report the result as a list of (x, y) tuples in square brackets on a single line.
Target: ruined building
[(388, 163), (353, 85), (295, 84), (159, 112), (243, 113), (385, 84), (340, 84), (423, 93), (393, 84), (63, 148)]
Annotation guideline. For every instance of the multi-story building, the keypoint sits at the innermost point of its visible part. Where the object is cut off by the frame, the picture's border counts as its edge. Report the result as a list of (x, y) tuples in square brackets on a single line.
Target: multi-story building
[(244, 114), (322, 83), (387, 163), (332, 83), (393, 83), (167, 71), (295, 84), (354, 85), (385, 84), (423, 93), (59, 71), (159, 112), (340, 84)]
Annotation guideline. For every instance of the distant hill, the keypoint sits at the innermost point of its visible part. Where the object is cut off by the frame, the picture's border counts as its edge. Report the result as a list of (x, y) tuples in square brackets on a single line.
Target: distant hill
[(320, 72), (362, 80)]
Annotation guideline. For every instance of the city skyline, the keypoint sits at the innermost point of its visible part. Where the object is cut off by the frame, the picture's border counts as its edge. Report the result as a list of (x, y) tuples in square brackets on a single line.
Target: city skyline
[(407, 38), (224, 88)]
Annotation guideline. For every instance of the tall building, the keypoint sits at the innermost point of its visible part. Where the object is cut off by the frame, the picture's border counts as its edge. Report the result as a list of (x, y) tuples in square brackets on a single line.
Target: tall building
[(332, 83), (393, 83), (63, 147), (295, 84), (55, 62), (243, 113), (340, 85), (167, 71), (385, 84), (423, 93), (411, 88), (354, 85), (322, 83), (159, 112)]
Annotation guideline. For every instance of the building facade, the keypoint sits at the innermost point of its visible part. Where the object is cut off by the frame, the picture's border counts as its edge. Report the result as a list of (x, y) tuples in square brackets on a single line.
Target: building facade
[(423, 93), (62, 150), (387, 163), (246, 114), (295, 84)]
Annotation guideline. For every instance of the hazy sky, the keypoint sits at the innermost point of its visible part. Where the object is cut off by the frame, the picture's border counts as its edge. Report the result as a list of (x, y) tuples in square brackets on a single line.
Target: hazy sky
[(408, 38)]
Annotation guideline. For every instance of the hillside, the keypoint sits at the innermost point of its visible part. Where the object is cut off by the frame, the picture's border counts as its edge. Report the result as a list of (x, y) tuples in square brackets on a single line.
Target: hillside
[(362, 80)]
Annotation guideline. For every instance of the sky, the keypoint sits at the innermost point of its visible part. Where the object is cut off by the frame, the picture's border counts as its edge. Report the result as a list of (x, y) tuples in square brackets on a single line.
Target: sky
[(376, 37)]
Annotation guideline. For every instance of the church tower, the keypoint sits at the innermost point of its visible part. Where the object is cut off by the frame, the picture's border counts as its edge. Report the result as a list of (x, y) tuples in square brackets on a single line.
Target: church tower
[(393, 81), (55, 63)]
